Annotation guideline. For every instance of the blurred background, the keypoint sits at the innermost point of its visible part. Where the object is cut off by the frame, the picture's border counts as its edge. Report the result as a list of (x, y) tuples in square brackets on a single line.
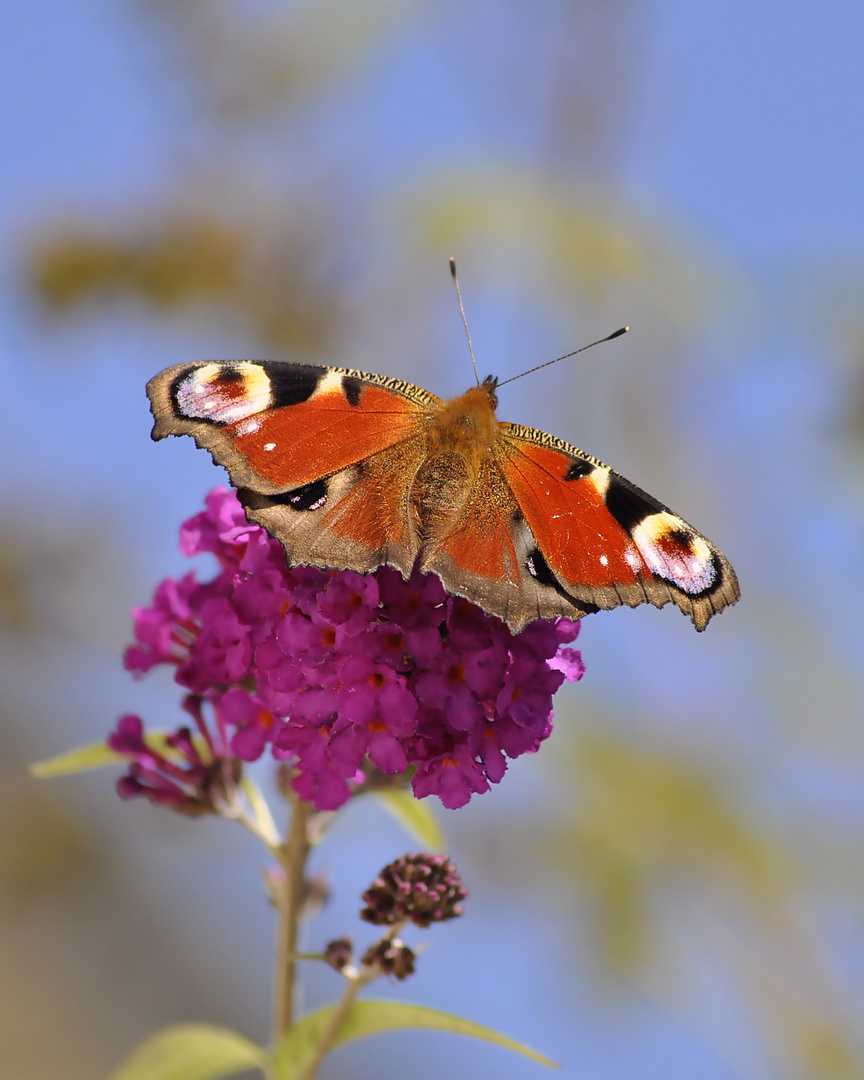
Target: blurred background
[(674, 887)]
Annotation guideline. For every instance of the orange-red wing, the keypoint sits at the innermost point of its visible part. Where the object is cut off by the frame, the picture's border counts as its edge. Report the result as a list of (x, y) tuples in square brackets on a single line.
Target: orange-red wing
[(356, 518), (580, 540), (482, 541), (482, 555), (293, 445), (278, 426), (604, 540)]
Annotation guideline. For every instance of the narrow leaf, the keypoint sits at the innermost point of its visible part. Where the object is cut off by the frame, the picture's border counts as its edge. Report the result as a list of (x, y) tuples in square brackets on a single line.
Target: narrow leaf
[(415, 816), (374, 1017), (260, 808), (79, 760), (95, 756), (192, 1052), (371, 1017)]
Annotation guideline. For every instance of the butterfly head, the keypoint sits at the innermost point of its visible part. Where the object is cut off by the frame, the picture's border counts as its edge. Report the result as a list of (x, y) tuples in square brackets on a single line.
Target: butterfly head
[(466, 425), (490, 385)]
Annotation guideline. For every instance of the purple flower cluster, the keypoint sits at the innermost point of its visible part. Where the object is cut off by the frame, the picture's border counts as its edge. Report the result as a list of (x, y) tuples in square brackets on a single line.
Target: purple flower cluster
[(420, 888), (332, 669)]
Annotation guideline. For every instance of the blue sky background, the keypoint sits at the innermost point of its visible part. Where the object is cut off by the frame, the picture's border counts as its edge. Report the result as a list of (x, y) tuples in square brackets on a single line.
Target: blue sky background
[(692, 170)]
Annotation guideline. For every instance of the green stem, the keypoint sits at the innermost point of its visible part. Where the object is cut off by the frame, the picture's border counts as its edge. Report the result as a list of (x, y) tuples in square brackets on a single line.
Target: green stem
[(355, 984), (269, 841), (293, 856), (356, 981)]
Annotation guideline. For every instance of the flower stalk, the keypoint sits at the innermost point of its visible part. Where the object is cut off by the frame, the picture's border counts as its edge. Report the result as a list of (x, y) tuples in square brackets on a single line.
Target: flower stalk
[(356, 979), (293, 857)]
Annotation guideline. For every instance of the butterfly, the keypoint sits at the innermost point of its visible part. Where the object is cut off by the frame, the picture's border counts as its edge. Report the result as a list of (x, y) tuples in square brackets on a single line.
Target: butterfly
[(357, 471)]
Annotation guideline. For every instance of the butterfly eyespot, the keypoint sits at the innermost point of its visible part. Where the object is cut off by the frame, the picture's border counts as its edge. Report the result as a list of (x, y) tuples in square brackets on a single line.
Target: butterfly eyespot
[(221, 394), (538, 568), (684, 537), (291, 384), (248, 426), (677, 554), (308, 497)]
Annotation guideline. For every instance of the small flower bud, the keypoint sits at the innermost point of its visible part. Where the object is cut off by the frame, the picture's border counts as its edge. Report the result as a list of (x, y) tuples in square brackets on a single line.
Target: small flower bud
[(392, 957), (422, 888), (338, 953)]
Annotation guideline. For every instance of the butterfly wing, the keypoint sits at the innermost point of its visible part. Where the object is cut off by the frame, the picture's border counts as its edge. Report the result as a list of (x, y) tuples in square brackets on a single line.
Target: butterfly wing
[(600, 540), (322, 457), (490, 557)]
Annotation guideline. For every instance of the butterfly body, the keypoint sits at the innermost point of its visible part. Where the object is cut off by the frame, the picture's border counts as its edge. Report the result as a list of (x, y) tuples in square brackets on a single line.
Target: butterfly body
[(356, 471)]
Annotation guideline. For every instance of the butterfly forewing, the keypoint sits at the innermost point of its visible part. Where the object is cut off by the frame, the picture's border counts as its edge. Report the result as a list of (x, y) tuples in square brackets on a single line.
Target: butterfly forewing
[(277, 426)]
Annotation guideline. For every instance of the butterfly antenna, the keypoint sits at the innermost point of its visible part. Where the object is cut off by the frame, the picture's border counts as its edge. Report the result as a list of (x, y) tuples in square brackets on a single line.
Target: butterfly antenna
[(464, 320), (566, 356)]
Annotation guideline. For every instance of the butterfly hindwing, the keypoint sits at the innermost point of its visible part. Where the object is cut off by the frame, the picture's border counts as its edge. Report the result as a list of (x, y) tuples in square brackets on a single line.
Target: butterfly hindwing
[(491, 557), (356, 519), (604, 540)]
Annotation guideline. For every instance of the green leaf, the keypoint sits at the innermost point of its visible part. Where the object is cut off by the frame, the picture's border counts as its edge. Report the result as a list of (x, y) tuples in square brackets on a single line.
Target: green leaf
[(297, 1048), (79, 760), (414, 815), (260, 808), (95, 756), (192, 1052)]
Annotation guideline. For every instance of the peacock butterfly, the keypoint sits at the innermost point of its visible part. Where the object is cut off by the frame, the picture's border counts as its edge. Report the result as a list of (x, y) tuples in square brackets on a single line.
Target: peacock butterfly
[(358, 471)]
